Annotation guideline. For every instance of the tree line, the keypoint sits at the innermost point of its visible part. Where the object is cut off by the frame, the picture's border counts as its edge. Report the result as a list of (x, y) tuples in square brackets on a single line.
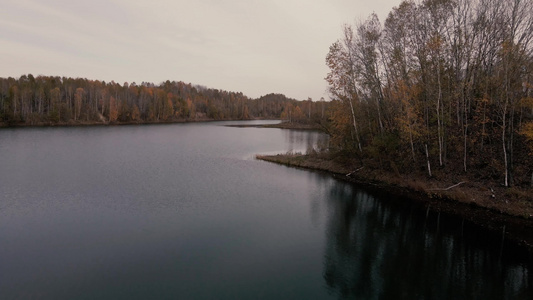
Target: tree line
[(50, 100), (441, 84)]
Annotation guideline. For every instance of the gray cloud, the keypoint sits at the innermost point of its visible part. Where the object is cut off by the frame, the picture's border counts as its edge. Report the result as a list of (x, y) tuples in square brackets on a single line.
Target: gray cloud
[(256, 47)]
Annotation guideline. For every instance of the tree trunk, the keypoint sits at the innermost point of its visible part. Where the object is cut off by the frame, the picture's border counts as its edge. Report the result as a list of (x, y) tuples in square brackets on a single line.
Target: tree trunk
[(427, 159), (355, 126), (439, 119), (411, 141), (505, 151)]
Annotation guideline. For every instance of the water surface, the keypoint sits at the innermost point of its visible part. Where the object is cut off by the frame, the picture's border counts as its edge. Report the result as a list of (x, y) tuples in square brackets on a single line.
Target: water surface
[(185, 211)]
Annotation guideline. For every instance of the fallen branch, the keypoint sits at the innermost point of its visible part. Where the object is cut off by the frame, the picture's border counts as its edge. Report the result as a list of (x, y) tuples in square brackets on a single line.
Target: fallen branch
[(450, 187), (350, 174)]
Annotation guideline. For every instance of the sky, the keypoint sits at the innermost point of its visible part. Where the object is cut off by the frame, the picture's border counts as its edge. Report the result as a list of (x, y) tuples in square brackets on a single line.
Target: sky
[(249, 46)]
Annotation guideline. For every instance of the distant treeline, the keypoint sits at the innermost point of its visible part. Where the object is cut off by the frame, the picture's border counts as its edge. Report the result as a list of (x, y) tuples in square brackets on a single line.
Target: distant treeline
[(442, 85), (50, 100)]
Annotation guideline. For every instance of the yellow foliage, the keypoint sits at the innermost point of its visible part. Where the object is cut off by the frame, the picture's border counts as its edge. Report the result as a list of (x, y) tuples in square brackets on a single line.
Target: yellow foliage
[(527, 130), (527, 102)]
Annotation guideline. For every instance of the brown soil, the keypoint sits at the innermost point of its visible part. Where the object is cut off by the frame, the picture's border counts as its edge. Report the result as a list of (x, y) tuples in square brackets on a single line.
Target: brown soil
[(507, 211)]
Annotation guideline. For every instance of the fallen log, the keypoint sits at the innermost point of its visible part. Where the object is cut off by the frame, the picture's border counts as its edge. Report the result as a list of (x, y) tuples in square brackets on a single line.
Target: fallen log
[(350, 174), (450, 187)]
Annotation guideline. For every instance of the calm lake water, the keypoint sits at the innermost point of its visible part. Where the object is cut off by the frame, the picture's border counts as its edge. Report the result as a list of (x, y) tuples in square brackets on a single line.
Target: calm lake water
[(184, 211)]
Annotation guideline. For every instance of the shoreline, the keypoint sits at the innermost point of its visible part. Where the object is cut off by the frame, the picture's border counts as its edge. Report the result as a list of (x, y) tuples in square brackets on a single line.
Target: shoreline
[(96, 123), (517, 228), (283, 125)]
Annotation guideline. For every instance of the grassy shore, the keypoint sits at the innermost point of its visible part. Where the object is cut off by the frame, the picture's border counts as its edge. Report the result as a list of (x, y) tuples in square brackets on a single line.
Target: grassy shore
[(507, 211)]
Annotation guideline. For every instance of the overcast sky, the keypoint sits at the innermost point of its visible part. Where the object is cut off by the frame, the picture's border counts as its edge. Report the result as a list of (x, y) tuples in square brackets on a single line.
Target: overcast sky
[(250, 46)]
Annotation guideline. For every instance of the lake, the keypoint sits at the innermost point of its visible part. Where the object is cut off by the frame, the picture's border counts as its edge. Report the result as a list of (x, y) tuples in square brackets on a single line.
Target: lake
[(184, 211)]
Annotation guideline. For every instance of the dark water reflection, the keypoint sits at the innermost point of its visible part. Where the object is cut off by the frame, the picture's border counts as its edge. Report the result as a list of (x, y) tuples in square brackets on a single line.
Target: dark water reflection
[(381, 248), (183, 211)]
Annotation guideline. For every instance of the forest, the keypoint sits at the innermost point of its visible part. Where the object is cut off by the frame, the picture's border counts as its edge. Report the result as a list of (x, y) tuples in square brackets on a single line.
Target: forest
[(53, 100), (441, 86)]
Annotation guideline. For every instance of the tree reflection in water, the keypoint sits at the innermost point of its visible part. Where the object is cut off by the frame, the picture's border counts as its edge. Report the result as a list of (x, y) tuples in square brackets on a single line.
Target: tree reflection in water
[(379, 247), (314, 140)]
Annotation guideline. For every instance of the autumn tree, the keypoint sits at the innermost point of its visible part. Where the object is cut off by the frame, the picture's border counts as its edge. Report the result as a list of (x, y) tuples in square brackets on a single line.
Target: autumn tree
[(78, 99), (113, 109), (342, 79), (448, 78)]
